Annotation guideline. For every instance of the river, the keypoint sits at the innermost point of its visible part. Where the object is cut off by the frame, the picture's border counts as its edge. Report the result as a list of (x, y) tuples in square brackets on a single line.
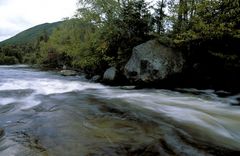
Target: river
[(45, 114)]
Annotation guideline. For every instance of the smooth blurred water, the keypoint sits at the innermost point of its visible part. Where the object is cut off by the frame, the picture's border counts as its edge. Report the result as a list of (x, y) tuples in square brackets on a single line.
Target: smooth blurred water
[(43, 113)]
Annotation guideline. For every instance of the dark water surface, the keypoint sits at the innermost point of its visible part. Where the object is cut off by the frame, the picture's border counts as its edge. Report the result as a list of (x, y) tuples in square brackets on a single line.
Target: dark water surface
[(44, 114)]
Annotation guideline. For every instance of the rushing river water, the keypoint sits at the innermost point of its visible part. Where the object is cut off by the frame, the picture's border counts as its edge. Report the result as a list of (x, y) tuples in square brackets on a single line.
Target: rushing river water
[(45, 114)]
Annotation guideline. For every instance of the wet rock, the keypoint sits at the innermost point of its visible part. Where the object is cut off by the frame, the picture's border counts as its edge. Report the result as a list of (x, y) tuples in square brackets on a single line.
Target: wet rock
[(128, 87), (35, 66), (68, 72), (1, 132), (96, 78), (30, 141), (110, 74), (152, 61), (64, 67)]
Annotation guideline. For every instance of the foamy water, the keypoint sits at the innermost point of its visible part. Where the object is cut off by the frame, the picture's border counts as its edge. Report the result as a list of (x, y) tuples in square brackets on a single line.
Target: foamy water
[(201, 114), (206, 116)]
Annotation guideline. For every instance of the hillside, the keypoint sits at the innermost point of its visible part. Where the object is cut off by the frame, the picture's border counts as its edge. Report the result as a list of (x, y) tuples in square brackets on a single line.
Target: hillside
[(31, 35)]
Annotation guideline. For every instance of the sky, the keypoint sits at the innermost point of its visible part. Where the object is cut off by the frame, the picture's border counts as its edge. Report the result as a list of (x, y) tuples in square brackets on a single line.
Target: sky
[(19, 15)]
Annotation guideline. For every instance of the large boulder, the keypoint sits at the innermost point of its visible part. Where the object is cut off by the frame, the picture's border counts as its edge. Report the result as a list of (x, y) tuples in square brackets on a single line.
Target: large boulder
[(68, 72), (152, 61), (110, 74)]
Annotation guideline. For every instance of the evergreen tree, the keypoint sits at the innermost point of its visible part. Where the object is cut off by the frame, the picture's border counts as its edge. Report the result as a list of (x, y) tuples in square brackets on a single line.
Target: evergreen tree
[(160, 16)]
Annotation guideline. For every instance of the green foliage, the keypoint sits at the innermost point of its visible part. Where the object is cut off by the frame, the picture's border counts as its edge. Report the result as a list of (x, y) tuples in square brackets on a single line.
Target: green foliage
[(104, 32), (10, 55), (30, 58), (8, 60), (132, 25), (205, 23), (65, 44), (97, 37), (216, 19)]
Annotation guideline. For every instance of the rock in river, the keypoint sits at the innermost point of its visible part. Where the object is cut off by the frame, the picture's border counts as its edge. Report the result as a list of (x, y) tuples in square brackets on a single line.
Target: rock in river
[(152, 61), (96, 78), (68, 72), (110, 74)]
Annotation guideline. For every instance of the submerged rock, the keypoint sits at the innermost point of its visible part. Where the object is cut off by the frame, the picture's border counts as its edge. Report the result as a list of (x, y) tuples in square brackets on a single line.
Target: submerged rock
[(68, 72), (96, 78), (110, 74), (152, 61)]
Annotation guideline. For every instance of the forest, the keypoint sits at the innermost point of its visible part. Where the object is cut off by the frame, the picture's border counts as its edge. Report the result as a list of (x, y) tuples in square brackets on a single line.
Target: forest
[(103, 32)]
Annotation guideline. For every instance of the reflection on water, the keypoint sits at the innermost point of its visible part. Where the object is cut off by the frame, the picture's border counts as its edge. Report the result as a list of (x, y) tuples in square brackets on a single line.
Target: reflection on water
[(43, 113)]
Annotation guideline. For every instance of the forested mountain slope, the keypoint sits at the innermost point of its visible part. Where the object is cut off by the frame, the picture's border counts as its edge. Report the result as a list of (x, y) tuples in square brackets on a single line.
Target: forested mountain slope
[(32, 34)]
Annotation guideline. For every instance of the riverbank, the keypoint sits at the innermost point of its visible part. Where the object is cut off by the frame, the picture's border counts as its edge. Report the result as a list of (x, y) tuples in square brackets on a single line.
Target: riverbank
[(201, 82), (154, 65)]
